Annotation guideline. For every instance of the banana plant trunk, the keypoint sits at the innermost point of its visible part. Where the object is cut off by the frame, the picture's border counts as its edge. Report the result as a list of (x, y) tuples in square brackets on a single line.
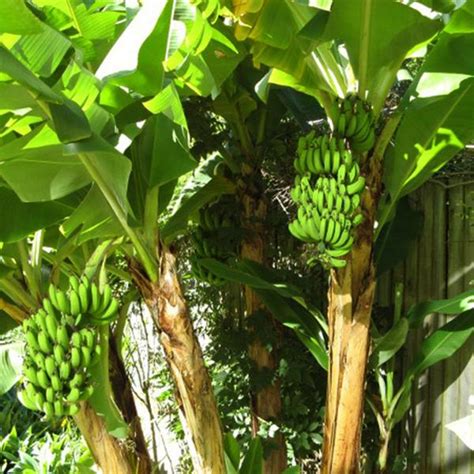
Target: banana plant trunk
[(266, 403), (110, 454), (197, 404), (350, 298)]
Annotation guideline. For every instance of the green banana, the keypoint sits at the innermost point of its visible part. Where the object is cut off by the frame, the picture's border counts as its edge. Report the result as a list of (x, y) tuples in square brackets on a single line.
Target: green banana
[(75, 357), (64, 370), (84, 297), (43, 379), (51, 325), (62, 336), (44, 343), (50, 366), (63, 304), (75, 303)]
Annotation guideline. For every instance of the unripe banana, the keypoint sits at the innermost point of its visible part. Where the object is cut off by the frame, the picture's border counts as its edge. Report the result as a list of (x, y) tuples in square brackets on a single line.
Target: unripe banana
[(38, 357), (39, 400), (77, 380), (56, 383), (58, 409), (32, 341), (26, 400), (64, 370), (51, 325), (107, 295), (111, 311), (43, 379), (84, 298), (63, 303), (86, 356), (75, 303), (62, 336), (50, 394), (31, 375), (44, 343), (59, 354), (73, 409), (76, 339), (73, 395), (52, 299), (75, 357), (74, 283), (48, 408), (95, 298), (50, 366)]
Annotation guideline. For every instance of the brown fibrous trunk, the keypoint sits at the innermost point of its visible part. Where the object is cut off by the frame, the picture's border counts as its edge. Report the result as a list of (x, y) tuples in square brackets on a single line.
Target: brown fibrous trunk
[(350, 296), (266, 403), (110, 454), (184, 356)]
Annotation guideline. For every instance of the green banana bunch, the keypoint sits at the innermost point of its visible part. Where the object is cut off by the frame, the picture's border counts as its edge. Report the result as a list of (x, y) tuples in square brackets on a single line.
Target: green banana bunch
[(84, 300), (327, 192), (57, 359), (353, 119), (215, 237)]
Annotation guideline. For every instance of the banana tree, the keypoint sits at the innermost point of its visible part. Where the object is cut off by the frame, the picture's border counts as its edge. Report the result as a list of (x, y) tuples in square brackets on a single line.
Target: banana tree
[(328, 50), (79, 105), (30, 265)]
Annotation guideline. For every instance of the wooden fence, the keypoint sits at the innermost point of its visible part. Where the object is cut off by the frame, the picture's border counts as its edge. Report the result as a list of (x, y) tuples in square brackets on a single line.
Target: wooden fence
[(441, 265)]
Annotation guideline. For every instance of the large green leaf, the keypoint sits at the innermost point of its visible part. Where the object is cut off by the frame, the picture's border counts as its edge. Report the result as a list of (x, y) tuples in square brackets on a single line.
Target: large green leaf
[(164, 140), (455, 305), (440, 345), (10, 364), (136, 59), (378, 36), (20, 219), (43, 52), (94, 218), (389, 344), (68, 120), (109, 166), (432, 131), (39, 155), (253, 460), (232, 454), (17, 19), (444, 342)]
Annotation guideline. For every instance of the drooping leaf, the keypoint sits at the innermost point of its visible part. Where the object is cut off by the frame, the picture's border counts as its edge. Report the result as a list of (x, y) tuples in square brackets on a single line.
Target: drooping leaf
[(455, 305), (67, 118), (111, 169), (444, 342), (371, 30), (17, 19), (282, 300), (94, 218), (389, 344), (10, 364), (136, 59), (20, 219), (42, 52)]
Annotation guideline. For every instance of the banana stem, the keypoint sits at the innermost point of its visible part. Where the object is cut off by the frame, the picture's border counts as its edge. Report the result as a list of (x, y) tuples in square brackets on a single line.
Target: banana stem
[(147, 260)]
